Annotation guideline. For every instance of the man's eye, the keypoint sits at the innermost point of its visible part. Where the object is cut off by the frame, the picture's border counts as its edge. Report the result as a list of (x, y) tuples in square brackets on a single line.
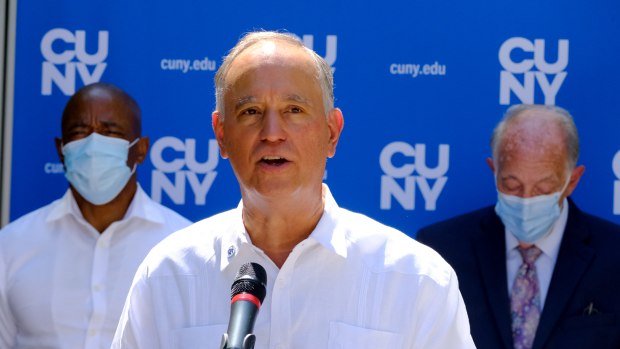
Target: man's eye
[(112, 133), (511, 187), (76, 134), (543, 191), (296, 110), (250, 111)]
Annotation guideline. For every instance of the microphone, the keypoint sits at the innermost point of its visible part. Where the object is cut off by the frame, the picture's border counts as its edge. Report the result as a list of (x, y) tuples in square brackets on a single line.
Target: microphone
[(247, 293)]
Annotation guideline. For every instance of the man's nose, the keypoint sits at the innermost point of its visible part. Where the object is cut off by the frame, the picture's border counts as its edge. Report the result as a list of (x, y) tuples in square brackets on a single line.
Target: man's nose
[(273, 127)]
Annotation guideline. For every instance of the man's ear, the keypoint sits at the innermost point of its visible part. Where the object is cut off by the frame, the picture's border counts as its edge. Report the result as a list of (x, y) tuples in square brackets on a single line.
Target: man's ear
[(491, 165), (142, 149), (138, 152), (335, 124), (58, 142), (575, 176), (217, 123)]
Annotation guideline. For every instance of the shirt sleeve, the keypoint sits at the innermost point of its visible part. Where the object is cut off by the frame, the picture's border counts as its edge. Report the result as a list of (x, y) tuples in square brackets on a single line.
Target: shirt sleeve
[(8, 330), (445, 323), (137, 328)]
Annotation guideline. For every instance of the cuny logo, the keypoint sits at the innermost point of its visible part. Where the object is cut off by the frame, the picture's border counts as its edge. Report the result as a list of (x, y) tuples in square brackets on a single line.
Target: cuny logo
[(65, 53), (410, 174), (331, 42), (615, 165), (175, 165), (523, 67)]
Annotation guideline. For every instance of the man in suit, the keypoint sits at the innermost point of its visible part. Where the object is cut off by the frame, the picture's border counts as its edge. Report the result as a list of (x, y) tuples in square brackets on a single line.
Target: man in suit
[(534, 270)]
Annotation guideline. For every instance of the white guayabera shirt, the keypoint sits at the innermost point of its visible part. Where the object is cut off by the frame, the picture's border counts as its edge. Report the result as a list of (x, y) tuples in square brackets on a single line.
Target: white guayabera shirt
[(62, 284), (354, 283)]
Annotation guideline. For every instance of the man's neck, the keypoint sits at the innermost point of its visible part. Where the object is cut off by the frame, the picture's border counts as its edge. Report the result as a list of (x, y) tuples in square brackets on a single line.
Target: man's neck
[(102, 216), (276, 228)]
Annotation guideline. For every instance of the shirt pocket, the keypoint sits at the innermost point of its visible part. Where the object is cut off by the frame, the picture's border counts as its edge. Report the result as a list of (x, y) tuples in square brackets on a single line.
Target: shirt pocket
[(343, 336), (201, 337)]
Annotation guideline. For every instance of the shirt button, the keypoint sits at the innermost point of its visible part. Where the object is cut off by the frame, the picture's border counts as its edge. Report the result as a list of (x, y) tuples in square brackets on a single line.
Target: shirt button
[(102, 244), (97, 288), (92, 332)]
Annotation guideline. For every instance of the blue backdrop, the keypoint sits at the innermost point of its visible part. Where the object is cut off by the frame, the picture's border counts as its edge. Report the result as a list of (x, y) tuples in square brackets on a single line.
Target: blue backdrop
[(421, 85)]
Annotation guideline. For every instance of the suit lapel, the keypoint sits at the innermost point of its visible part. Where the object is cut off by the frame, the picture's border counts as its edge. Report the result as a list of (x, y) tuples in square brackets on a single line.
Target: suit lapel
[(573, 260), (491, 252)]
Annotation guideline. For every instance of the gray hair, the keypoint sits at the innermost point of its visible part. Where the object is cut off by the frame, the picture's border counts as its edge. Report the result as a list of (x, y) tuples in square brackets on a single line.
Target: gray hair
[(563, 119), (323, 70)]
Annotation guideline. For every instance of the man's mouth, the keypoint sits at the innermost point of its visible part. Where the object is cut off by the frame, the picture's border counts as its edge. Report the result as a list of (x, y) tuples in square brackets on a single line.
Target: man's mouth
[(273, 160)]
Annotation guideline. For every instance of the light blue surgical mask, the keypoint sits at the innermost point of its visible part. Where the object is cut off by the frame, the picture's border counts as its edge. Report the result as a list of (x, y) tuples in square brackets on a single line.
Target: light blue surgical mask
[(529, 219), (96, 166)]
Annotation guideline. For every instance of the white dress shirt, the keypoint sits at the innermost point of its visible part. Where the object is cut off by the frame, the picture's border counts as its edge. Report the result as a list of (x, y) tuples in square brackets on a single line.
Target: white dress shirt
[(550, 247), (62, 283), (353, 283)]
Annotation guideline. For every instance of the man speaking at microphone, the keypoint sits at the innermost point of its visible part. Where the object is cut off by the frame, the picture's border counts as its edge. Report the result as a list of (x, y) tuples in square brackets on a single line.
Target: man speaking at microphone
[(335, 279)]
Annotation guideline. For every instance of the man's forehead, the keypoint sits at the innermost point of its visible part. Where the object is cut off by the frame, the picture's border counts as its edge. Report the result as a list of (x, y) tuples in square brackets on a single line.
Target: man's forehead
[(276, 68), (531, 161), (266, 47), (99, 108), (276, 52), (527, 150)]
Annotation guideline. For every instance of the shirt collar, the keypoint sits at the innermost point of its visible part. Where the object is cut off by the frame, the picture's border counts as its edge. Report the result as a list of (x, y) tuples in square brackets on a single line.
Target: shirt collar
[(550, 243), (328, 232), (141, 207), (236, 241)]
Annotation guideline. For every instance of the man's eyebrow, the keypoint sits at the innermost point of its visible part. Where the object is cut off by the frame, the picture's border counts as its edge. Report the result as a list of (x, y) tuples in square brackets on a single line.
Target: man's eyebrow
[(541, 180), (298, 98), (550, 178), (110, 123), (244, 100), (289, 98), (76, 124)]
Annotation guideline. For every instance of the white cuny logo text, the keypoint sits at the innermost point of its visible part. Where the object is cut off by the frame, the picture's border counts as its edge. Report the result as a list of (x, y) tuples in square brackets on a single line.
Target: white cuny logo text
[(400, 181), (331, 49), (176, 164), (615, 165), (65, 53), (514, 56)]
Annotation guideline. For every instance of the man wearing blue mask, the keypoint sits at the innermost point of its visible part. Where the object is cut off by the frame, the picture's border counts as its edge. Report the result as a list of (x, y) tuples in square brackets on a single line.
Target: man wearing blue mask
[(534, 270), (66, 268)]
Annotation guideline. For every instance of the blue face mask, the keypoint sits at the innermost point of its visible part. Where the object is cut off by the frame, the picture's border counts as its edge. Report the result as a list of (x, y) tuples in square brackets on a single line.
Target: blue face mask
[(529, 219), (96, 166)]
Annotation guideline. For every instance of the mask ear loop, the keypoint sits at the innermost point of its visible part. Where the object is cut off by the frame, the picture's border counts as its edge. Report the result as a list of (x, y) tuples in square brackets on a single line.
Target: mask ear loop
[(566, 184), (564, 188), (133, 170)]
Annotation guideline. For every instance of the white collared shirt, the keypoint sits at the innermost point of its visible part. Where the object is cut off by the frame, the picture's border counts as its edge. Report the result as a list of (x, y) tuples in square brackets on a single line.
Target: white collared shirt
[(550, 247), (353, 283), (62, 284)]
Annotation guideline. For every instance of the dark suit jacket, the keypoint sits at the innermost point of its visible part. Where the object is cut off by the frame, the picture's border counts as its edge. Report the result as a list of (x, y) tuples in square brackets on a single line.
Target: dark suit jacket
[(587, 271)]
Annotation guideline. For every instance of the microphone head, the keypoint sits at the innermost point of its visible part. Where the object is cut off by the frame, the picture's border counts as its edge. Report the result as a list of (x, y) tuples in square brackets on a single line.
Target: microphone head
[(251, 278)]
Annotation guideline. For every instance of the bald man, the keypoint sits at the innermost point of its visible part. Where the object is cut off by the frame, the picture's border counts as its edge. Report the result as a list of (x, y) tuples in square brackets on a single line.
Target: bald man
[(335, 279), (534, 270), (65, 268)]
